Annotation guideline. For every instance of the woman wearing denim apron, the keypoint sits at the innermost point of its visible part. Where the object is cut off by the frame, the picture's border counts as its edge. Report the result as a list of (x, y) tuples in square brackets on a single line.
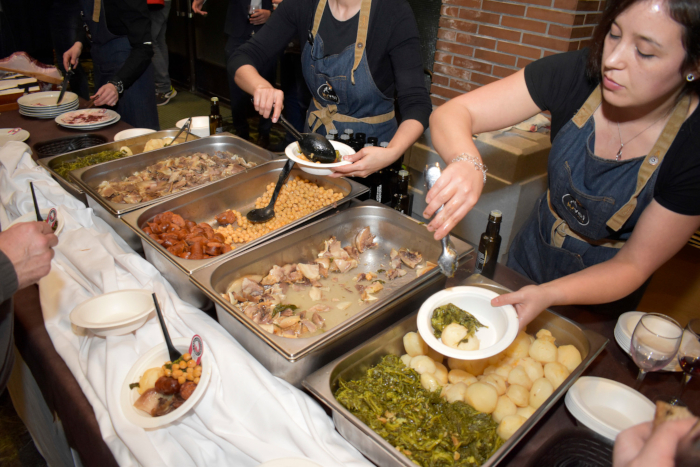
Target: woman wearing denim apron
[(352, 83), (122, 63), (624, 168)]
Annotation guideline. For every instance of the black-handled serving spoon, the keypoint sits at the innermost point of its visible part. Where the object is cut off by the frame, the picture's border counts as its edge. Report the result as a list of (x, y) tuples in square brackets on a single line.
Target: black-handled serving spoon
[(174, 354), (268, 212)]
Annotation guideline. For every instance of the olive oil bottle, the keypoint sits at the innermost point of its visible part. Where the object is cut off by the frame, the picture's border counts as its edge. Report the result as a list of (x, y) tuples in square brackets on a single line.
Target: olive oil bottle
[(489, 246), (215, 120)]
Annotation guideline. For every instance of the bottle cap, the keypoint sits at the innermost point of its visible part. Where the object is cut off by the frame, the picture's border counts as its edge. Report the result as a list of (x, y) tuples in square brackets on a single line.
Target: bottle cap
[(496, 213), (403, 173), (384, 144), (215, 99), (333, 132), (344, 137)]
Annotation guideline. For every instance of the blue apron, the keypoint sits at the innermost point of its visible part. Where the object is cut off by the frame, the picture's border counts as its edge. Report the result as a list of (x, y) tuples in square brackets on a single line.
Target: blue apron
[(592, 204), (343, 91), (137, 104)]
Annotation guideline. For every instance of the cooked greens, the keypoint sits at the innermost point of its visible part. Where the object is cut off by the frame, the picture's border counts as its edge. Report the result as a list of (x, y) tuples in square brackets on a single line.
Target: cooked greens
[(448, 314), (420, 424), (63, 168)]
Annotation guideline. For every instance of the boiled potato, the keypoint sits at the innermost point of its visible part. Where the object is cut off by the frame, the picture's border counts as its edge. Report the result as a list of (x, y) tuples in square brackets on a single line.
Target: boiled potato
[(569, 356), (545, 335), (149, 378), (456, 392), (504, 407), (509, 425), (519, 376), (414, 344), (406, 359), (497, 382), (440, 373), (520, 346), (456, 376), (504, 371), (482, 396), (435, 355), (519, 395), (423, 364), (556, 373), (543, 351), (472, 343), (525, 411), (452, 334), (429, 382), (533, 368), (490, 369), (540, 392)]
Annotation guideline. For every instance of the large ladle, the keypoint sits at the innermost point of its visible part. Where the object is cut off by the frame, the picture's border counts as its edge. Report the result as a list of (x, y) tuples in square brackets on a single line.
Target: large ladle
[(259, 215)]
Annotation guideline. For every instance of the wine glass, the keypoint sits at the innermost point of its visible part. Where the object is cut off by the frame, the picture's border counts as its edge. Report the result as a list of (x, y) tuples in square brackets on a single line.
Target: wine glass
[(655, 342), (689, 355)]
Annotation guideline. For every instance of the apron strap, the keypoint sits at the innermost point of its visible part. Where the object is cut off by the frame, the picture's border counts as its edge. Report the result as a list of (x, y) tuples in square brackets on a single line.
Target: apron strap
[(97, 6), (327, 115), (652, 161), (317, 17), (589, 107), (361, 40)]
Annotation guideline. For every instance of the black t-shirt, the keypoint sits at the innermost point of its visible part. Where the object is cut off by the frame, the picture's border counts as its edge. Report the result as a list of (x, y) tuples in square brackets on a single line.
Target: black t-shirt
[(393, 47), (559, 84)]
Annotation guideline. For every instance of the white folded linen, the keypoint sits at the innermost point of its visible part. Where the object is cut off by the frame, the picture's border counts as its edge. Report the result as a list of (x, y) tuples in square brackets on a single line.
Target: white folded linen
[(246, 416)]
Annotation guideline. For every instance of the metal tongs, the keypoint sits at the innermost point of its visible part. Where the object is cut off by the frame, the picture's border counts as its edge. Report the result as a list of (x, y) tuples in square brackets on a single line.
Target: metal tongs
[(448, 258), (187, 125)]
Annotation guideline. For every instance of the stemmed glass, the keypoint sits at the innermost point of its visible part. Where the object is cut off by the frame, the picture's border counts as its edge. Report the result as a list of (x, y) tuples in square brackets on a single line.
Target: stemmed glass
[(655, 342), (689, 355)]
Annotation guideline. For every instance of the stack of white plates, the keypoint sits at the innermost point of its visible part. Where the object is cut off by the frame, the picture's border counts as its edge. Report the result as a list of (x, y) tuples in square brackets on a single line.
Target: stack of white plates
[(43, 104), (88, 119), (606, 406), (623, 335)]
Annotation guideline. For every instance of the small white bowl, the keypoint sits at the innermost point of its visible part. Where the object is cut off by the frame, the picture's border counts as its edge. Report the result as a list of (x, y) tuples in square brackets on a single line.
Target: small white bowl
[(114, 313), (292, 151), (132, 132), (199, 127), (154, 358), (31, 217), (501, 322)]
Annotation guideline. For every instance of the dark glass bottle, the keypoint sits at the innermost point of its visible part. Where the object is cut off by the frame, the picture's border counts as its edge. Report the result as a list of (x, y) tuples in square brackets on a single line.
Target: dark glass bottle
[(361, 139), (374, 141), (489, 246), (332, 135), (393, 178), (400, 200), (215, 120), (345, 138)]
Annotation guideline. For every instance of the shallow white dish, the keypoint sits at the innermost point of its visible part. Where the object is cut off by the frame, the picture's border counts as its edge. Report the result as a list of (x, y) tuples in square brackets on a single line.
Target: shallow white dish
[(42, 100), (610, 404), (10, 134), (31, 217), (587, 421), (110, 117), (501, 322), (199, 127), (132, 132), (154, 358), (290, 462), (114, 313), (292, 151), (623, 336)]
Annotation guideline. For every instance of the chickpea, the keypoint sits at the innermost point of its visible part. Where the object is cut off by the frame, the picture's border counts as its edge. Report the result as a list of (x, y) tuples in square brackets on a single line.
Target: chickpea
[(183, 364), (198, 371), (181, 380), (195, 380), (186, 356), (191, 363), (168, 373), (189, 377), (177, 373), (190, 370)]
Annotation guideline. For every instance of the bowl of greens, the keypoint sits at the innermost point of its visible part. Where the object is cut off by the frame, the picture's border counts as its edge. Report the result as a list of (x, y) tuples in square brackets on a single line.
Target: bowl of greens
[(460, 322)]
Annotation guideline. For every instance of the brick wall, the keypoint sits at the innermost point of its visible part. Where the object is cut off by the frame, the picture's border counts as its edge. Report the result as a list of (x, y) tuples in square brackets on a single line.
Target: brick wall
[(481, 41)]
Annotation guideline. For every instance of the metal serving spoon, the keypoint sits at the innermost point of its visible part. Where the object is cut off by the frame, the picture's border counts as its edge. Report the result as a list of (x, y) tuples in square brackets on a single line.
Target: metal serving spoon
[(186, 126), (172, 351), (268, 212), (448, 258)]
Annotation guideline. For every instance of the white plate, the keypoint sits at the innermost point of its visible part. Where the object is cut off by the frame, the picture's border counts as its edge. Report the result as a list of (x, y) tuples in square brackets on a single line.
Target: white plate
[(610, 404), (501, 322), (154, 358), (42, 100), (132, 132), (199, 127), (10, 134), (289, 462), (114, 313), (623, 336), (589, 422), (93, 127), (106, 116), (292, 151), (31, 217)]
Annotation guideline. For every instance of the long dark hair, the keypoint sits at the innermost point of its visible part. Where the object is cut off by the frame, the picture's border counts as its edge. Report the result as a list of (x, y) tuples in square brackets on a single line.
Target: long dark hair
[(684, 12)]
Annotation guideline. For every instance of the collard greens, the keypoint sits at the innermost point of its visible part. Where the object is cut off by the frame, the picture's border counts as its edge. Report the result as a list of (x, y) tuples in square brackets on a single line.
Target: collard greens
[(448, 314)]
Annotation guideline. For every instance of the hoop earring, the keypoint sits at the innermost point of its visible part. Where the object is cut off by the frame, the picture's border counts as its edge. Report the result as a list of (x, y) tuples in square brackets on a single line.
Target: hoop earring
[(690, 78)]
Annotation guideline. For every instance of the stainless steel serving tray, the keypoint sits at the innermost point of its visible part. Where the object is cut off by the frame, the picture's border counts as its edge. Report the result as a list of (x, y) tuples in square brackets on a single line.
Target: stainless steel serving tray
[(353, 365), (89, 178), (292, 359), (202, 204), (136, 144)]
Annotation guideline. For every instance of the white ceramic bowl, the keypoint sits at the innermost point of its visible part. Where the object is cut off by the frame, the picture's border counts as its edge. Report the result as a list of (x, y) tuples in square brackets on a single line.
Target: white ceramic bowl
[(154, 358), (132, 132), (292, 151), (199, 127), (610, 405), (31, 217), (114, 313), (501, 322)]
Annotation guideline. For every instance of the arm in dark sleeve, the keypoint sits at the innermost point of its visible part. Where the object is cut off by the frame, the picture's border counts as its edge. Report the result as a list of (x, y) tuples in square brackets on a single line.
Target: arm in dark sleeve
[(404, 52), (135, 17), (266, 5), (267, 44), (9, 283)]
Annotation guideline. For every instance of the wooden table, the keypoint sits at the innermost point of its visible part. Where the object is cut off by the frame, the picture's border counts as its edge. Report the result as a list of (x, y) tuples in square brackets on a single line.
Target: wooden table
[(64, 396)]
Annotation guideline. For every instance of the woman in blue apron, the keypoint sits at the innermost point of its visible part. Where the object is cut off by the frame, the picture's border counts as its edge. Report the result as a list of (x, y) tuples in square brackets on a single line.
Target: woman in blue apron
[(624, 172), (353, 86), (122, 63)]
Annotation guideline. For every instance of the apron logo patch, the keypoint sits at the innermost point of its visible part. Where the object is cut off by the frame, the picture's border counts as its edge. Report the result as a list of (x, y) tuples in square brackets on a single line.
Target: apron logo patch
[(575, 208), (326, 92)]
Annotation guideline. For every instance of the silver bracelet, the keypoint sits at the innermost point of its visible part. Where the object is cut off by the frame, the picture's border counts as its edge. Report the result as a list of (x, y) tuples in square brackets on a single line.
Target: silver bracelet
[(478, 165)]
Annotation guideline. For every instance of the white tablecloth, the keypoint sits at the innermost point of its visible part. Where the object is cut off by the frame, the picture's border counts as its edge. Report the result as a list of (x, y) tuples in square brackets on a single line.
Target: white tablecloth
[(246, 416)]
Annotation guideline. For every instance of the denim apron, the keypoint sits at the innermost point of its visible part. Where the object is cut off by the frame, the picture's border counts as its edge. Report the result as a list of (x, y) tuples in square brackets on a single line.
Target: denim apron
[(343, 92), (592, 204), (137, 104)]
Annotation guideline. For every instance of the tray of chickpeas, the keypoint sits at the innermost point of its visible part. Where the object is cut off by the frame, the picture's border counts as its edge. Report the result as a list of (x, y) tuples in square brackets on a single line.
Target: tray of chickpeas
[(214, 218)]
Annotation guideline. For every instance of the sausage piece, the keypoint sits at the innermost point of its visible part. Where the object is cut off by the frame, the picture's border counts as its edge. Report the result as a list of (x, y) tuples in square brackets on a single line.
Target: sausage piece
[(187, 389)]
